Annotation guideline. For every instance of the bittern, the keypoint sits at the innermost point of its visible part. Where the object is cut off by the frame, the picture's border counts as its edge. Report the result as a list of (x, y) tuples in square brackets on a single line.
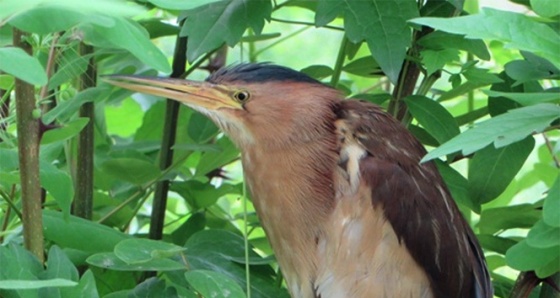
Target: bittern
[(338, 186)]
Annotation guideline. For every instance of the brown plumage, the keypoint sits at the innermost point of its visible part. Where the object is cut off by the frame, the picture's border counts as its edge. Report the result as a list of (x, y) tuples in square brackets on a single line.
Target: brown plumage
[(337, 184)]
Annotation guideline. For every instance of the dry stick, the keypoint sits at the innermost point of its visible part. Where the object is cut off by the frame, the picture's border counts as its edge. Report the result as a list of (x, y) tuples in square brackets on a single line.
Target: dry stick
[(28, 150), (83, 200)]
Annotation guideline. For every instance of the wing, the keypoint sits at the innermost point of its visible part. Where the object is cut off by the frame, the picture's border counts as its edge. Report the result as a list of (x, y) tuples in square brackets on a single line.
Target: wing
[(417, 203)]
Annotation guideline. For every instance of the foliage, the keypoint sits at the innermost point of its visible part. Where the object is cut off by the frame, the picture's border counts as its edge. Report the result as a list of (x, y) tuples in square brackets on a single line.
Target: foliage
[(493, 122)]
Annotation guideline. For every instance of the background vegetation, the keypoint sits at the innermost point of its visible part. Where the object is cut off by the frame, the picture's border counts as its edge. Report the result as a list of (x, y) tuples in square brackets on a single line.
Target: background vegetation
[(101, 173)]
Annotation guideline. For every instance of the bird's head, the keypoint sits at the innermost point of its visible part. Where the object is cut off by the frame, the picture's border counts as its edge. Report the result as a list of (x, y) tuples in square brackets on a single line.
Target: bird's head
[(262, 104)]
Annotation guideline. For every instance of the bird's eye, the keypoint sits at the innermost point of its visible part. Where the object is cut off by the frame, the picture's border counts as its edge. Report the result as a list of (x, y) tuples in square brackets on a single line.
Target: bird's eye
[(241, 96)]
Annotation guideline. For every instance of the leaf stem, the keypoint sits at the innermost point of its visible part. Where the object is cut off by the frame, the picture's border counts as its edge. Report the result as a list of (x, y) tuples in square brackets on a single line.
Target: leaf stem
[(335, 78), (305, 24)]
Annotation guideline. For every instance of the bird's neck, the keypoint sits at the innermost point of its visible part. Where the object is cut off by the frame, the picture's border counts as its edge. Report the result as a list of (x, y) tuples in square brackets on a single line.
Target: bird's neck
[(293, 217)]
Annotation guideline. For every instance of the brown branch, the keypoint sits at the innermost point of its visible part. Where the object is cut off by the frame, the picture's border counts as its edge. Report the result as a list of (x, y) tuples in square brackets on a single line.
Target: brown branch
[(28, 151)]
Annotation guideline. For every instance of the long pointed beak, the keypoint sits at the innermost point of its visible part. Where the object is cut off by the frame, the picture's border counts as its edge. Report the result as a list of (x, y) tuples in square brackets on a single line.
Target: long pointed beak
[(196, 94)]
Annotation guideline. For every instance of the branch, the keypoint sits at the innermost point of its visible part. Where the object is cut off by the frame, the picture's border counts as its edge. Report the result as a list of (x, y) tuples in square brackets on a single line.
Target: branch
[(28, 153)]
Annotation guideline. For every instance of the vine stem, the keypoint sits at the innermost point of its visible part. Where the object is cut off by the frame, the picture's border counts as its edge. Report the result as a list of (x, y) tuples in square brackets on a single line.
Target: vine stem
[(335, 78)]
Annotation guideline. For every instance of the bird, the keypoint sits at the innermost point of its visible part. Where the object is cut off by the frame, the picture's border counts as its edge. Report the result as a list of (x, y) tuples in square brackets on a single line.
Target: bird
[(337, 184)]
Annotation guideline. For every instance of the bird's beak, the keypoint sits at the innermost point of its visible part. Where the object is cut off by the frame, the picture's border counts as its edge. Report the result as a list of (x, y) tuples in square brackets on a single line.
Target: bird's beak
[(197, 94)]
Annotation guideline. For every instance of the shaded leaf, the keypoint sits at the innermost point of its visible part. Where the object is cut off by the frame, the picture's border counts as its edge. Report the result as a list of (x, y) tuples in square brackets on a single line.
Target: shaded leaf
[(180, 4), (436, 60), (65, 109), (433, 117), (501, 130), (364, 66), (59, 185), (213, 160), (530, 69), (18, 63), (134, 251), (492, 170), (135, 171), (458, 186), (70, 233), (318, 71), (527, 99), (211, 25), (71, 65), (65, 132), (213, 284), (493, 220), (109, 260), (546, 8), (514, 29), (495, 243), (440, 40)]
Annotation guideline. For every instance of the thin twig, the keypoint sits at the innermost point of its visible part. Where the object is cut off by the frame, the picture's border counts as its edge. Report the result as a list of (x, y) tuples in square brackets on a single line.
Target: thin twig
[(551, 149)]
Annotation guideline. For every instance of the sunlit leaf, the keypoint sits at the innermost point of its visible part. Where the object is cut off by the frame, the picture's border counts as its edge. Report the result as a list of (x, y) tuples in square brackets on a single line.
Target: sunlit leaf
[(528, 99), (514, 29), (19, 64), (501, 130), (436, 60), (516, 256)]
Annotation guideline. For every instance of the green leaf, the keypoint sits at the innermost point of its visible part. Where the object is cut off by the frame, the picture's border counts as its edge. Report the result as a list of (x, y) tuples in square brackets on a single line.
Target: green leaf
[(70, 233), (530, 69), (12, 8), (200, 129), (213, 160), (514, 29), (436, 60), (202, 195), (492, 170), (433, 117), (495, 243), (493, 220), (365, 66), (458, 186), (18, 263), (128, 35), (527, 99), (69, 130), (213, 284), (195, 223), (18, 63), (551, 216), (65, 109), (524, 257), (501, 130), (71, 65), (6, 81), (58, 184), (318, 71), (546, 8), (440, 40), (381, 23), (11, 284), (135, 171), (542, 235), (157, 28), (109, 260), (180, 4), (211, 25), (9, 158), (134, 251)]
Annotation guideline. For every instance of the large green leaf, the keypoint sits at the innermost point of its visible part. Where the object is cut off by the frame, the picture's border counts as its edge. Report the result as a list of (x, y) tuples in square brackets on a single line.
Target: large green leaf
[(65, 132), (436, 60), (458, 186), (514, 29), (214, 284), (440, 40), (58, 184), (546, 8), (133, 170), (551, 215), (19, 64), (433, 117), (214, 24), (491, 170), (70, 233), (135, 251), (381, 23), (524, 257), (527, 99), (531, 68), (65, 109), (542, 235), (213, 160), (128, 35), (180, 4), (501, 130)]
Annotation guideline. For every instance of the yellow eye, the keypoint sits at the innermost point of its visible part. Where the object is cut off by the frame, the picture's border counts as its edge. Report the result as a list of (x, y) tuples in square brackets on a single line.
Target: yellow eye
[(241, 96)]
